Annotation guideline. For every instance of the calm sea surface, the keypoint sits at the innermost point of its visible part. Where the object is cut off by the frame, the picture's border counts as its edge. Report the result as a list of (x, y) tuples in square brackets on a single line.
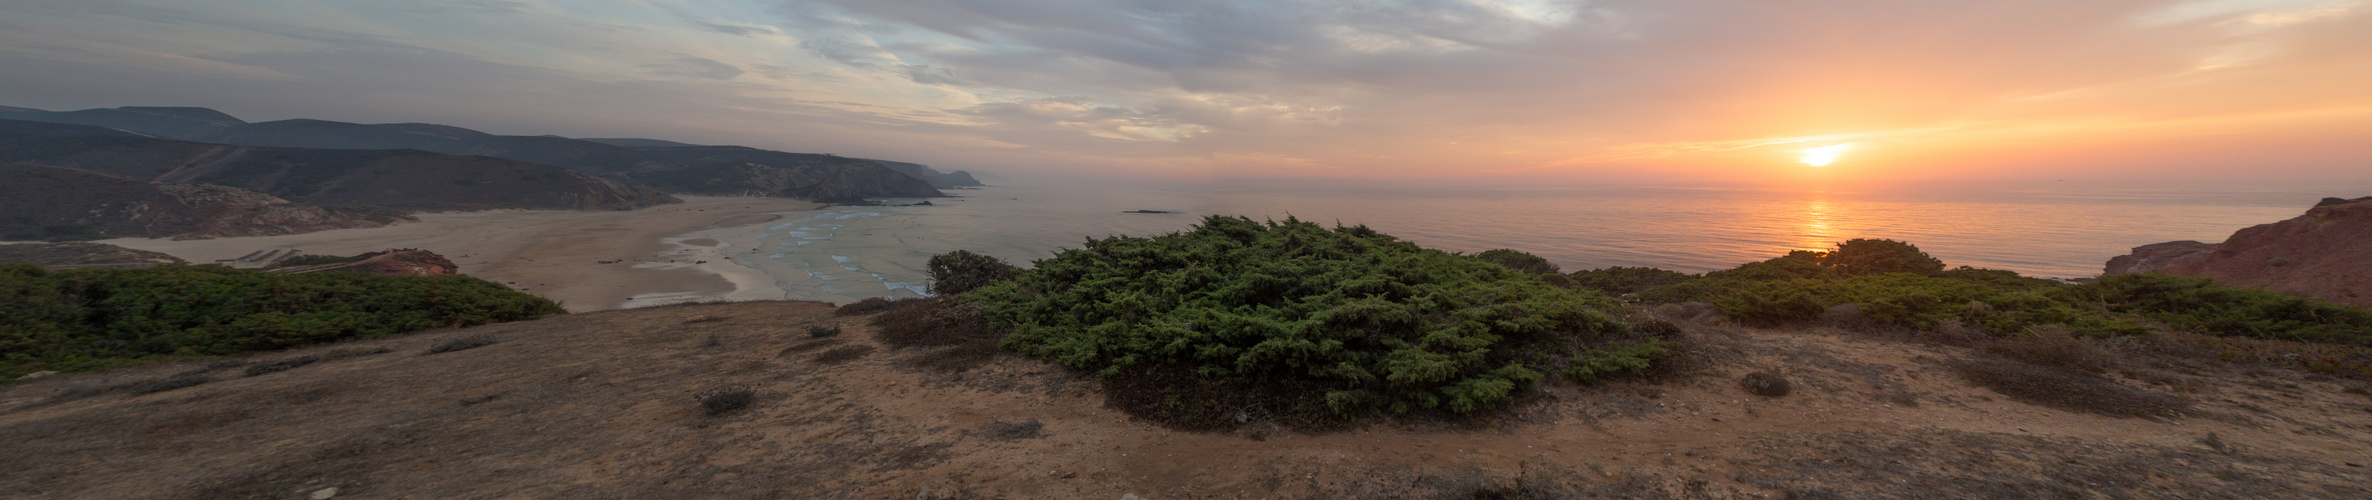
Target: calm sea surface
[(845, 253)]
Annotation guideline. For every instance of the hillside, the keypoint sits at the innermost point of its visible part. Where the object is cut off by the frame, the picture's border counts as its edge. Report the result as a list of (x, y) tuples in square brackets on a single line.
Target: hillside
[(159, 121), (608, 405), (2320, 254), (46, 202), (937, 179), (405, 180), (721, 170), (732, 170), (79, 254)]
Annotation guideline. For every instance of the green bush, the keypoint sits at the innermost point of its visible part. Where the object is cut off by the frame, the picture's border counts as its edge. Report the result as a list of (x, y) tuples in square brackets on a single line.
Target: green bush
[(2200, 305), (1861, 256), (314, 260), (1630, 357), (961, 271), (1619, 281), (1376, 323), (1519, 261), (86, 319), (2002, 303)]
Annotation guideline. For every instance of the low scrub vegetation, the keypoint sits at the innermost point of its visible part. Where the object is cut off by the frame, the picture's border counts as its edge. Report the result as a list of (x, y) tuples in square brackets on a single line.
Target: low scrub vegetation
[(1340, 322), (86, 319), (961, 271), (932, 322), (1893, 284), (821, 331), (1619, 281), (314, 260), (1237, 321), (1521, 262)]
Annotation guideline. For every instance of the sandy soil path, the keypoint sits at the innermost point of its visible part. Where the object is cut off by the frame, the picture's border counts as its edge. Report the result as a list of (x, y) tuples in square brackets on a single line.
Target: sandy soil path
[(606, 405), (654, 255)]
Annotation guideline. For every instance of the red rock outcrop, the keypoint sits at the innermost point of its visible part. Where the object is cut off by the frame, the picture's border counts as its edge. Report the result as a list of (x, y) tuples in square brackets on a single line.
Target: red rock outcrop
[(2324, 254)]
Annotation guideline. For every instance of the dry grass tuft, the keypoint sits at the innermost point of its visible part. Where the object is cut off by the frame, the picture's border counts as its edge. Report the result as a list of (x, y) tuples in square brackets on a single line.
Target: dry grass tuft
[(867, 306), (958, 358), (843, 355), (2054, 345), (463, 343), (1176, 398), (2067, 389), (1014, 430), (719, 401), (353, 352), (163, 384), (821, 331), (280, 365), (1766, 384), (928, 322)]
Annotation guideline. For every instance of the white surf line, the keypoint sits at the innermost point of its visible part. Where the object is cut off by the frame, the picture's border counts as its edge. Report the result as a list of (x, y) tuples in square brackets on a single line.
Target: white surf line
[(748, 282)]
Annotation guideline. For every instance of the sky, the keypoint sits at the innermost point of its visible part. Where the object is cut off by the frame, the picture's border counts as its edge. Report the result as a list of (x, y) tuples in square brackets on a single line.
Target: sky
[(1509, 92)]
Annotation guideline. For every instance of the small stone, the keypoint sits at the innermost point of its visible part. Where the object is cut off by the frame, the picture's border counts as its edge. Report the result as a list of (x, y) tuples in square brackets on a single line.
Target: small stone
[(1072, 474), (1127, 496), (38, 374), (2353, 464), (324, 493)]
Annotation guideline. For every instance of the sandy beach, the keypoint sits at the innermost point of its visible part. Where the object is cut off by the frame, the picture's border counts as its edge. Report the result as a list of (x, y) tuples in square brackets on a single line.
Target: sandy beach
[(588, 261)]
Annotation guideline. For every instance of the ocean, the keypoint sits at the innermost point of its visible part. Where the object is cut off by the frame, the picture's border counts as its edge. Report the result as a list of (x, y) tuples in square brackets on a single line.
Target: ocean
[(843, 254)]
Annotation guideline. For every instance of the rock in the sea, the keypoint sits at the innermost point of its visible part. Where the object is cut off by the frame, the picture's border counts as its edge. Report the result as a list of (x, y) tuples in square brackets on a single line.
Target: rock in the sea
[(2324, 254), (2159, 257)]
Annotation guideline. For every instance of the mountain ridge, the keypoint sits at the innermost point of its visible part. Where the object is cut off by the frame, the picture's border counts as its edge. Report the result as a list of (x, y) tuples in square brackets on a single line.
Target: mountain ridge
[(397, 179), (51, 202), (628, 160)]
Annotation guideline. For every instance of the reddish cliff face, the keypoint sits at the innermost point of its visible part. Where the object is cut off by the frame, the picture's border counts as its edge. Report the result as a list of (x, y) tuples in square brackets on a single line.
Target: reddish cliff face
[(2325, 254)]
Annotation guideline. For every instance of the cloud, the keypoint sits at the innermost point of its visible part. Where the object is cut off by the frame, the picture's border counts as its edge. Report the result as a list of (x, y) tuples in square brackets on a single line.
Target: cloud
[(1386, 88), (695, 67)]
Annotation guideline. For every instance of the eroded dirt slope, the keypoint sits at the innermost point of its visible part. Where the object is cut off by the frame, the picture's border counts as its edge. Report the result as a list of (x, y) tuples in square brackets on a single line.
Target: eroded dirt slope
[(603, 405)]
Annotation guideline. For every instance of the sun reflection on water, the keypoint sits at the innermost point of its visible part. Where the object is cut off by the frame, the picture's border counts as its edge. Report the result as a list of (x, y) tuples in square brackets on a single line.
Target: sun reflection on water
[(1817, 229)]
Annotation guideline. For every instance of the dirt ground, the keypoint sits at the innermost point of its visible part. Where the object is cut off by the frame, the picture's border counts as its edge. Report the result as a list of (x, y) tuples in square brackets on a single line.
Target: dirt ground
[(608, 405)]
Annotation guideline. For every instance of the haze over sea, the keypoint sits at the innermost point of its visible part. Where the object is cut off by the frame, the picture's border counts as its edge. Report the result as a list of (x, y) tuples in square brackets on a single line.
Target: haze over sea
[(2052, 230)]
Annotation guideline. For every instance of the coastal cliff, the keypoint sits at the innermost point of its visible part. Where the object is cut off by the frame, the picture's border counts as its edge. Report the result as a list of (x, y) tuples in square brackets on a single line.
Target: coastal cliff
[(635, 164), (397, 179), (2325, 254)]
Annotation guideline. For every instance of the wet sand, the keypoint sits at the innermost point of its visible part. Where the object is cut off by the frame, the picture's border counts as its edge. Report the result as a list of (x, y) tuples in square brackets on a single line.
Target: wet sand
[(654, 255)]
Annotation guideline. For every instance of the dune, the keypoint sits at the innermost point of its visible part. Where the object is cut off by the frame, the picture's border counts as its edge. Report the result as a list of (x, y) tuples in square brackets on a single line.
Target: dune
[(586, 260)]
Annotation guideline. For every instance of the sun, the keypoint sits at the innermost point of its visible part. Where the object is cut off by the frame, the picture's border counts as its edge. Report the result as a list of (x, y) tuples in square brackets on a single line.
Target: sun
[(1822, 156)]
